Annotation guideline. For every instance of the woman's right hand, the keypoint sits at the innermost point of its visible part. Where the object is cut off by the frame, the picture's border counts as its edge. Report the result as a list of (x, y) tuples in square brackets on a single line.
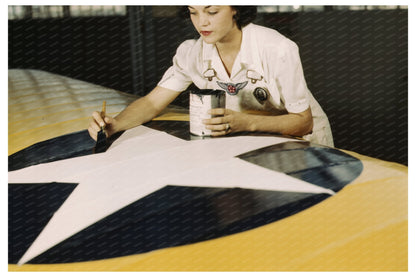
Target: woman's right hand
[(97, 121)]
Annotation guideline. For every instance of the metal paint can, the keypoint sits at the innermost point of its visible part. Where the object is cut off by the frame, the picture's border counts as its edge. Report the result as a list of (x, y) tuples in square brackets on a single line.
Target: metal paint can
[(200, 102)]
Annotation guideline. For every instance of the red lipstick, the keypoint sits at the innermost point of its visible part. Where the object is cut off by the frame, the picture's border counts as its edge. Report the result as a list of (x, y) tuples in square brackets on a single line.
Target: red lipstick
[(206, 33)]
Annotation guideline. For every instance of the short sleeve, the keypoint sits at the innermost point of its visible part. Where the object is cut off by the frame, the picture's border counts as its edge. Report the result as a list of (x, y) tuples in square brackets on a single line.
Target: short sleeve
[(288, 74), (177, 77)]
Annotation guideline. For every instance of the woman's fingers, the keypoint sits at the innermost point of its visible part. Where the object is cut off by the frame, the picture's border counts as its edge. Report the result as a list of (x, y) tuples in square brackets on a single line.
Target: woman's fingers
[(98, 119), (215, 120), (219, 111), (92, 132), (220, 124), (97, 122), (219, 127)]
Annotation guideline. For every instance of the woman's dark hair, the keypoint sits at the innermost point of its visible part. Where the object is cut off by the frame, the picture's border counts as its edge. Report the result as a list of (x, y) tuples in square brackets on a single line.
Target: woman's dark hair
[(244, 15)]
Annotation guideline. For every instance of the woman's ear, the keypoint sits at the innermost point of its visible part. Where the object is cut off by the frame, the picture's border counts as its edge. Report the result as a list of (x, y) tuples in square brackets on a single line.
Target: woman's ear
[(235, 14)]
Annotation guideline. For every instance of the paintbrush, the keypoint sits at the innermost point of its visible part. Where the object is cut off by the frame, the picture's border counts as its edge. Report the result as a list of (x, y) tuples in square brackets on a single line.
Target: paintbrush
[(101, 144)]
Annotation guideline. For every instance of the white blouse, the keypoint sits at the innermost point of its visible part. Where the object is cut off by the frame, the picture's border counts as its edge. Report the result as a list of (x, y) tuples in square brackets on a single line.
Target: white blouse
[(267, 76)]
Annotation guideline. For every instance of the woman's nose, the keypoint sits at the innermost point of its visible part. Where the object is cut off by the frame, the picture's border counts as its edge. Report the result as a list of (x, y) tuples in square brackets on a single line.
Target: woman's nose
[(204, 21)]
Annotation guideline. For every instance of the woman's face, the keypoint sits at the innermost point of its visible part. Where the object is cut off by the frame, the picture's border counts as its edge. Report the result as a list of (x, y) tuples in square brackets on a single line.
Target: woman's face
[(214, 23)]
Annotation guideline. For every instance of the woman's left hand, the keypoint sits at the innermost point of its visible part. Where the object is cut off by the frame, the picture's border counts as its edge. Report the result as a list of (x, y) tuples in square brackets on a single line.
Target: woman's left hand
[(226, 121)]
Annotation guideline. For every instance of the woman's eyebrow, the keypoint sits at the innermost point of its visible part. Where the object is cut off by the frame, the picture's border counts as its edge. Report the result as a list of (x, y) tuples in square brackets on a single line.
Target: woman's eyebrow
[(206, 7)]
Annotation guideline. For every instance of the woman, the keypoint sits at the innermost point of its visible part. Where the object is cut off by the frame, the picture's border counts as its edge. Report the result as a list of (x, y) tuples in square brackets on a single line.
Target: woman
[(258, 68)]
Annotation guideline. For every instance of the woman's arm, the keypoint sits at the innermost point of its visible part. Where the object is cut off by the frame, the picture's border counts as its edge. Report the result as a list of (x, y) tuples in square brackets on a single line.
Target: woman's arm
[(228, 121), (145, 109), (140, 111)]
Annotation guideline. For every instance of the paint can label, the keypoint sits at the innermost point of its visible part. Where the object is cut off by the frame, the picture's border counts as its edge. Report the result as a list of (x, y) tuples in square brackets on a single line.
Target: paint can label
[(200, 102)]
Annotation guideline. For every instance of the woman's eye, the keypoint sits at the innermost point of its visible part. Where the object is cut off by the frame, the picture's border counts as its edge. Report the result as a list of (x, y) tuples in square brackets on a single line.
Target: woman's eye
[(212, 13), (192, 12)]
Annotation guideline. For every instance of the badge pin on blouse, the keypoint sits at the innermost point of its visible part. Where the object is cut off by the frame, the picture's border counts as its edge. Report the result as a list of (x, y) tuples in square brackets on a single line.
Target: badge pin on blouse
[(261, 94), (253, 76), (210, 74)]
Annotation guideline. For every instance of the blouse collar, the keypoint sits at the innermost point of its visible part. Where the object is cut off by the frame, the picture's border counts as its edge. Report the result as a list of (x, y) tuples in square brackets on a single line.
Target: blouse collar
[(249, 52)]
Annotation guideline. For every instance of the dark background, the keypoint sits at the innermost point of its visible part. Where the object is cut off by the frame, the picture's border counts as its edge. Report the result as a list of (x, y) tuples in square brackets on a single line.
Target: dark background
[(355, 62)]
